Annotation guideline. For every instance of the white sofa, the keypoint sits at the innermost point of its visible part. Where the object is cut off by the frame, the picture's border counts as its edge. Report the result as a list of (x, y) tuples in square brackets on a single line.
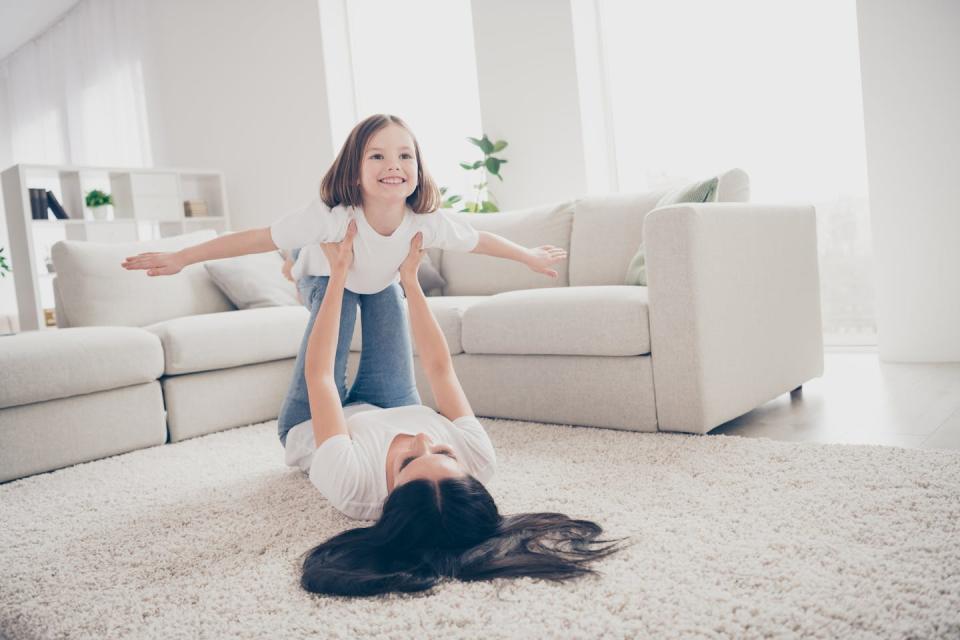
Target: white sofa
[(729, 320)]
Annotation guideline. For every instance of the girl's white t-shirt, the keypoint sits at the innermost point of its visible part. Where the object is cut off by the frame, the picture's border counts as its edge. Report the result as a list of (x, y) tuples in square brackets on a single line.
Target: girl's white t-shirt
[(351, 470), (376, 257)]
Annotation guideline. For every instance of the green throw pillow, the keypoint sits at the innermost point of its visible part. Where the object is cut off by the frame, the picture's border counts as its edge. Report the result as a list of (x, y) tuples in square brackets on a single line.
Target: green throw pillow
[(705, 191)]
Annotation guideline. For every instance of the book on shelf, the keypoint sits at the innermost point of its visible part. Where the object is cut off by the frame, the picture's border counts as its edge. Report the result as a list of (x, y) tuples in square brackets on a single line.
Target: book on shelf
[(38, 204), (195, 208), (56, 207)]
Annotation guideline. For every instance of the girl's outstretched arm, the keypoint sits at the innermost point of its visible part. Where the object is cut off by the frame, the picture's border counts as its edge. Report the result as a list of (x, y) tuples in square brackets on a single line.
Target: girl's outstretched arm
[(326, 413), (226, 246), (431, 345), (539, 259)]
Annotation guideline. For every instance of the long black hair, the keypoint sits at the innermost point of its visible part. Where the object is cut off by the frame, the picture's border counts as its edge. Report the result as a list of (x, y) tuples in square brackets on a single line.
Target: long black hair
[(429, 531)]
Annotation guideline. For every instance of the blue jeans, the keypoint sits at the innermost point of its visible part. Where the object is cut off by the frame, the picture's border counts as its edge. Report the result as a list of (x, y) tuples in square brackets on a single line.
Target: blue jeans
[(385, 377)]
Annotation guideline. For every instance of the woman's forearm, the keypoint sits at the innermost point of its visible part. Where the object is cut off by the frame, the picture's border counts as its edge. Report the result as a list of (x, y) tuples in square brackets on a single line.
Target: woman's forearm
[(322, 344), (228, 246), (432, 347), (490, 244)]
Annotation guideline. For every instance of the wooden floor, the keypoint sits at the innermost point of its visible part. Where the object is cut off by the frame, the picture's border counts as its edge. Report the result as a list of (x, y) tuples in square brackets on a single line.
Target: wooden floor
[(860, 400)]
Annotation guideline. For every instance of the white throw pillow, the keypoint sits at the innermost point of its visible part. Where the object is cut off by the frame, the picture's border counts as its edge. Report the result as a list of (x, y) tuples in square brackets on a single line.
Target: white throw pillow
[(253, 281)]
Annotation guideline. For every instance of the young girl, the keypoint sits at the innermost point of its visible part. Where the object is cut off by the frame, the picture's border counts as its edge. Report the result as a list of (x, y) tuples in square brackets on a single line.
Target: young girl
[(420, 473), (379, 182)]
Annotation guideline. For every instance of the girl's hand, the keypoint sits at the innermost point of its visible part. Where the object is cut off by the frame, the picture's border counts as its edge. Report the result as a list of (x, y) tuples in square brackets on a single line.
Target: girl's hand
[(340, 254), (541, 258), (156, 264), (411, 264)]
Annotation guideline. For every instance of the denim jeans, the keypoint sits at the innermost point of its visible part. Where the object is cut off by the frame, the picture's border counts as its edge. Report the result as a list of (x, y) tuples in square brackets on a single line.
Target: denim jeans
[(385, 377)]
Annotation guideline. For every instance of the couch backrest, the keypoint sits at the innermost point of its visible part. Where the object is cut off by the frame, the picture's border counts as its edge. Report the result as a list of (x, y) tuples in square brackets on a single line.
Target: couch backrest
[(468, 274), (601, 234), (92, 289), (608, 230)]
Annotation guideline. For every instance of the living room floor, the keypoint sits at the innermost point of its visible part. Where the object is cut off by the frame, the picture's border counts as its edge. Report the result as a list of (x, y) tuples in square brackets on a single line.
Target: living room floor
[(860, 400)]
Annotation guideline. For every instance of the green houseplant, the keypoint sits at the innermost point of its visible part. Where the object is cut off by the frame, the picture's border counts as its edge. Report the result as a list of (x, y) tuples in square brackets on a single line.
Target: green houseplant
[(96, 199), (482, 201), (4, 267)]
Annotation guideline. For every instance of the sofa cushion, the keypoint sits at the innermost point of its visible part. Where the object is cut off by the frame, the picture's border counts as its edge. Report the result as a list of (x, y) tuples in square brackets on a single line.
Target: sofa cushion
[(734, 186), (93, 289), (448, 310), (698, 192), (36, 366), (230, 339), (590, 321), (253, 281), (469, 274), (608, 230)]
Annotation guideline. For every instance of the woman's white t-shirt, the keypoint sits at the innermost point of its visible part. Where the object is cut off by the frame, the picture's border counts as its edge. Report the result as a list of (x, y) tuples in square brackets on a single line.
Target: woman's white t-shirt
[(351, 470), (376, 257)]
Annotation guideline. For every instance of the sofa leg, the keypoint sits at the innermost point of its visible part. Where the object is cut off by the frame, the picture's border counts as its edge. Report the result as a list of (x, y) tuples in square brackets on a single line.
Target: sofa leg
[(797, 393)]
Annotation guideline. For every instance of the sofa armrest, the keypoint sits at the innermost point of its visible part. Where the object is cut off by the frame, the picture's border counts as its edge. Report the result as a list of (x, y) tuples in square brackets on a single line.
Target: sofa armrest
[(734, 308)]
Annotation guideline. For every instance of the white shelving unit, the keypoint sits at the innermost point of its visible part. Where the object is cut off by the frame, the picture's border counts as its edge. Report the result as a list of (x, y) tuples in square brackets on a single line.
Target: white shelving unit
[(148, 204)]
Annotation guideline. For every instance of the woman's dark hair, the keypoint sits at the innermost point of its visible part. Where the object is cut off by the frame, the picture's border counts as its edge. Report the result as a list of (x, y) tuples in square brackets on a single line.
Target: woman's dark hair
[(430, 531), (341, 184)]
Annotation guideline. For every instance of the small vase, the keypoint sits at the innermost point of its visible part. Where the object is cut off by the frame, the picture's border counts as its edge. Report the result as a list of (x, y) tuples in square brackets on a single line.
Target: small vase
[(101, 213)]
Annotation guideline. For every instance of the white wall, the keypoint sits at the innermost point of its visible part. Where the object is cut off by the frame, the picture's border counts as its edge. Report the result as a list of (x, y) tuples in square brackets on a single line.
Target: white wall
[(527, 74), (238, 85), (8, 298), (910, 65)]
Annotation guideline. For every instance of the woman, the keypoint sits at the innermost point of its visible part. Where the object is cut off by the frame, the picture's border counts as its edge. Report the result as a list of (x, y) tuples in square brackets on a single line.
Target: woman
[(419, 473)]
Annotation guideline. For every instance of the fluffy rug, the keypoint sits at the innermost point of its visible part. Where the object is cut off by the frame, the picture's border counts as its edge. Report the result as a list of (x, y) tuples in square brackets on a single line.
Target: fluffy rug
[(732, 537)]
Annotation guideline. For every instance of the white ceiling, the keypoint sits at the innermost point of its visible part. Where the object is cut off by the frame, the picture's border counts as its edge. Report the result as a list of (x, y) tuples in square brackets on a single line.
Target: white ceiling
[(22, 20)]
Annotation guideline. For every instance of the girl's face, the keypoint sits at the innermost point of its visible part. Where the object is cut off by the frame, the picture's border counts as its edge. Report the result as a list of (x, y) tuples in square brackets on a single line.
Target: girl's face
[(388, 171)]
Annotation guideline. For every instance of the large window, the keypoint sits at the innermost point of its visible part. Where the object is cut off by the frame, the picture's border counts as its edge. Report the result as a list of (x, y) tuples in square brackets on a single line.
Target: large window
[(416, 60), (773, 87)]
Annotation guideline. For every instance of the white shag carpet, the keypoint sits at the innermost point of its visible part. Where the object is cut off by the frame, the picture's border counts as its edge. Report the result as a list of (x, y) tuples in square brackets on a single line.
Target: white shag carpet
[(732, 538)]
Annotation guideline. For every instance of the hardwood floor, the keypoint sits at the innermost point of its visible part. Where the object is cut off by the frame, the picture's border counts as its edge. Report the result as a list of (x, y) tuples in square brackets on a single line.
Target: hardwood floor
[(860, 400)]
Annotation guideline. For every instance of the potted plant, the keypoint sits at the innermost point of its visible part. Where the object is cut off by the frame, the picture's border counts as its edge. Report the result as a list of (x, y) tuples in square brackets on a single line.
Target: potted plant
[(482, 201), (98, 202), (4, 267)]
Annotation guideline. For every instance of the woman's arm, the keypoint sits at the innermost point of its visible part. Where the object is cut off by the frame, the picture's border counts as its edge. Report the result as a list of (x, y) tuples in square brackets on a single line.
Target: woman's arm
[(227, 246), (431, 345), (538, 259), (326, 413)]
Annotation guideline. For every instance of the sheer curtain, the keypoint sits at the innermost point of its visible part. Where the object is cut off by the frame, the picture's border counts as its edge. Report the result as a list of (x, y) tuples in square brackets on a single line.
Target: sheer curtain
[(75, 93), (773, 87)]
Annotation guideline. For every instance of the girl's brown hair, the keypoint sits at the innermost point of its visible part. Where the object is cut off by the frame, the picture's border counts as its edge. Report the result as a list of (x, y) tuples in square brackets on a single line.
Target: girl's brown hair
[(341, 185)]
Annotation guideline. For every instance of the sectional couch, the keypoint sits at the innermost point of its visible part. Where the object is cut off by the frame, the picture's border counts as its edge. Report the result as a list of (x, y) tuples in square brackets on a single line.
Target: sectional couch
[(730, 319)]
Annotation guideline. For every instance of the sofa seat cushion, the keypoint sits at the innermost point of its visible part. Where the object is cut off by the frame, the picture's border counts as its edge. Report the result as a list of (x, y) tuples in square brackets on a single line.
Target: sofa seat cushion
[(230, 339), (36, 366), (590, 321), (448, 310)]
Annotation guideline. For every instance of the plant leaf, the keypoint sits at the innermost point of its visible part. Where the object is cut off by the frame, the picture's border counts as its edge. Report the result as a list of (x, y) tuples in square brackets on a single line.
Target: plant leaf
[(489, 207), (484, 143), (499, 146), (493, 166)]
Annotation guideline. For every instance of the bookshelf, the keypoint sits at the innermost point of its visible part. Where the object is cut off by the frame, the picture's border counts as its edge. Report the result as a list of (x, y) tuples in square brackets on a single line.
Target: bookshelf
[(147, 204)]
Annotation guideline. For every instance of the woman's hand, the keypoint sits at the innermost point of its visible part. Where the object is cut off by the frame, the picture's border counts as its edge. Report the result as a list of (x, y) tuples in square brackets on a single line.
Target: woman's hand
[(340, 254), (411, 264), (156, 264), (287, 269), (541, 258)]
